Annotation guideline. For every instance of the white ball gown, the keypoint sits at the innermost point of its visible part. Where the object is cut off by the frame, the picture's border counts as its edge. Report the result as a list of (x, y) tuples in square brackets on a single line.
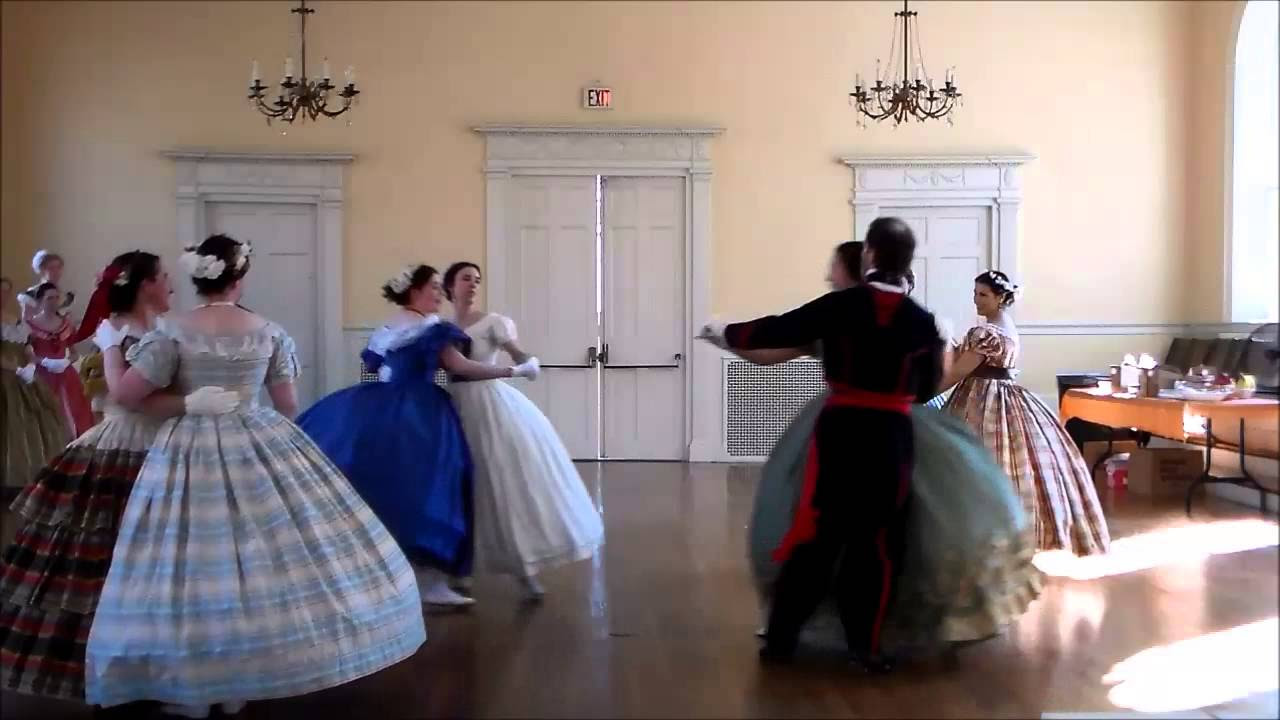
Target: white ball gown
[(532, 511)]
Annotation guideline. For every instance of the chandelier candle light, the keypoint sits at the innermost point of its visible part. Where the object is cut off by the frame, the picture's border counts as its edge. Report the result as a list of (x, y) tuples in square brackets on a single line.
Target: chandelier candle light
[(907, 94), (301, 97)]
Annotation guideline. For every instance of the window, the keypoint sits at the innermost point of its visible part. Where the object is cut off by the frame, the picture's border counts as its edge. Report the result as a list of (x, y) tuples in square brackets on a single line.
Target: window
[(1255, 209)]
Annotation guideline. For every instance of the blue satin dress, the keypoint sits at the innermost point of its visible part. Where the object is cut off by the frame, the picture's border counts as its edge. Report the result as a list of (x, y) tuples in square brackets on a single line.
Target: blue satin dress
[(400, 443)]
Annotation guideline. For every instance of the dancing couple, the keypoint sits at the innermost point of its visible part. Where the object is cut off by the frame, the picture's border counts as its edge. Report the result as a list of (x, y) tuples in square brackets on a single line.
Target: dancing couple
[(935, 543), (469, 477)]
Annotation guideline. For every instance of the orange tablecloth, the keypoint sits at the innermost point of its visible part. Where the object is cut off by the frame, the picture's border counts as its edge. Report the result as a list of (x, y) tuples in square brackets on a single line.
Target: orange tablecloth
[(1182, 420)]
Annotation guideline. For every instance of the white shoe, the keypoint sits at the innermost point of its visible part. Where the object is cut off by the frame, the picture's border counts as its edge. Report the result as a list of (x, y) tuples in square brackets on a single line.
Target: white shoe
[(188, 711), (439, 593), (533, 590), (433, 588), (232, 708)]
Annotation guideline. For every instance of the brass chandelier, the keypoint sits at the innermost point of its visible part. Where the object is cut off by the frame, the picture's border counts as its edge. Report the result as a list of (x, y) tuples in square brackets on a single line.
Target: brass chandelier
[(300, 96), (906, 94)]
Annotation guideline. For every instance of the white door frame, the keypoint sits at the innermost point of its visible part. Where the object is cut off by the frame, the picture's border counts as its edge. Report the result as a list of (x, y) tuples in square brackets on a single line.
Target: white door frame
[(512, 150), (992, 181), (319, 179)]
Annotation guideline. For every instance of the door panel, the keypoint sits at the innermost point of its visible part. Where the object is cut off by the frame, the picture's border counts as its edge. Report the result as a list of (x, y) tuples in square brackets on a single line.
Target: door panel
[(953, 247), (281, 284), (644, 318), (551, 282)]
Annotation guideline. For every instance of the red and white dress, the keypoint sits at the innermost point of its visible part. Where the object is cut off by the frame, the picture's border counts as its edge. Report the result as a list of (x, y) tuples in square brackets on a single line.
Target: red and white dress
[(65, 385)]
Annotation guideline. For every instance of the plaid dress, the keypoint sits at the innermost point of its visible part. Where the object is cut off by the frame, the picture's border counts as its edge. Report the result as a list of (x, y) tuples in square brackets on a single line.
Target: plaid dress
[(52, 573), (246, 566), (34, 429), (1033, 447)]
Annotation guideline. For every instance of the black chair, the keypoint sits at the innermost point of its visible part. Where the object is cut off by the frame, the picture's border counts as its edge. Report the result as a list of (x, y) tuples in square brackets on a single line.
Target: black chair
[(1179, 354), (1224, 355), (1199, 352), (1261, 358)]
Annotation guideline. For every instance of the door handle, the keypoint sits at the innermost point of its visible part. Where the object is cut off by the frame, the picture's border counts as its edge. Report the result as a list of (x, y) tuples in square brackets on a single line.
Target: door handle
[(604, 354), (591, 356), (675, 365)]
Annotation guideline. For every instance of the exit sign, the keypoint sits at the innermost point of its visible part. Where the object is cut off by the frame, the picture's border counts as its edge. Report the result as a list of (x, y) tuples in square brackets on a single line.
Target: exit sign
[(597, 98)]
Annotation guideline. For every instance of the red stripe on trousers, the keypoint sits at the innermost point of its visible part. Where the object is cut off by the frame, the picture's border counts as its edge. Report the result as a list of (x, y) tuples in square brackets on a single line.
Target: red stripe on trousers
[(804, 523)]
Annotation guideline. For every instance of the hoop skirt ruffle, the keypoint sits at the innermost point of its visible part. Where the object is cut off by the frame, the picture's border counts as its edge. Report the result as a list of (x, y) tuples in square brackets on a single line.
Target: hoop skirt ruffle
[(967, 571)]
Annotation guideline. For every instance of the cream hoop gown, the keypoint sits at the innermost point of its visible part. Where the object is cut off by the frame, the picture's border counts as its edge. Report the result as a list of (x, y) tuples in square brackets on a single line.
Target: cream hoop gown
[(532, 511)]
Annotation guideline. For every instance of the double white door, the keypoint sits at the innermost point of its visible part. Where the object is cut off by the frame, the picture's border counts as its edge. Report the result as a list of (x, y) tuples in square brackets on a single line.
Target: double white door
[(594, 271)]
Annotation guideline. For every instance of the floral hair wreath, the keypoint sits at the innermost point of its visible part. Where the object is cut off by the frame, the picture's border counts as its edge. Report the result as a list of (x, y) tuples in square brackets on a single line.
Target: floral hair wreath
[(37, 260), (210, 267), (1001, 282), (403, 280)]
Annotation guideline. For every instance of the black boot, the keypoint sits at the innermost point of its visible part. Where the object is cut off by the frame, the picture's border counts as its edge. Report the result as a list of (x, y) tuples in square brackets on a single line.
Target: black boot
[(774, 654), (776, 651), (873, 664)]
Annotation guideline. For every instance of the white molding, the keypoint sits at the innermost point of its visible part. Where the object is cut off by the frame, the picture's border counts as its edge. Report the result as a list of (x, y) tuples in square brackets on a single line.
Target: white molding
[(594, 130), (684, 152), (319, 179), (1135, 328), (1228, 165), (891, 161), (199, 154), (912, 180)]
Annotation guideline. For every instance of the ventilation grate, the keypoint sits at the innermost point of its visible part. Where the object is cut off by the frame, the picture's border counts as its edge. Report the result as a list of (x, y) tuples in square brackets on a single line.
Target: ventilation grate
[(761, 400)]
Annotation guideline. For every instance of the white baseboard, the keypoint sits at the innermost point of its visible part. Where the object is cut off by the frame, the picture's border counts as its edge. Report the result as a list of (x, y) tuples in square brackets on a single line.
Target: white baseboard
[(1199, 329)]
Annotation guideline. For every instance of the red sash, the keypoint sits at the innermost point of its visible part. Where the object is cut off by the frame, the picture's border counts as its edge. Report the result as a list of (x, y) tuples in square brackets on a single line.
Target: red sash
[(804, 525)]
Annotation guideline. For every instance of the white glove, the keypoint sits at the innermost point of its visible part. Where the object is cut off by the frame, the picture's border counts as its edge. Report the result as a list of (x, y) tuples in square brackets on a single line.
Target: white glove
[(211, 400), (55, 365), (529, 369), (107, 336), (384, 373), (713, 332), (27, 373)]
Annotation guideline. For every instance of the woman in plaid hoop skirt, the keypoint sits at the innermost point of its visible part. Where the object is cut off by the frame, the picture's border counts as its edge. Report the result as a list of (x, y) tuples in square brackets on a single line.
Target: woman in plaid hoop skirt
[(34, 428), (246, 566), (1023, 433), (53, 571)]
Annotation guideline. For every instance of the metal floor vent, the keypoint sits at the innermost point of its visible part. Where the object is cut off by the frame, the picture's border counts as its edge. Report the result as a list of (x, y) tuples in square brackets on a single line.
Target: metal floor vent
[(761, 400)]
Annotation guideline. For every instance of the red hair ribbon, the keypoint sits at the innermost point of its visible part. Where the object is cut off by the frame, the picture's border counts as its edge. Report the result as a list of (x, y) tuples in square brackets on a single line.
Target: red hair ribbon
[(99, 308)]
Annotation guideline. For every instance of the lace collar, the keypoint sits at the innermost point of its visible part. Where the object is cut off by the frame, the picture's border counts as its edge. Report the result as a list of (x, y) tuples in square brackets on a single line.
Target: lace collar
[(388, 339)]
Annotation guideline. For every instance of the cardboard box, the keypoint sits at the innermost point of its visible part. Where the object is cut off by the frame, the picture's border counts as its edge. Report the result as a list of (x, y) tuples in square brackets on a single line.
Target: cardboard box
[(1094, 450), (1164, 472)]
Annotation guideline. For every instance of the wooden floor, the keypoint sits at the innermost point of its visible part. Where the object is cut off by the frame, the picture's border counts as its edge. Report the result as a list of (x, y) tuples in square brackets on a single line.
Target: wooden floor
[(662, 625)]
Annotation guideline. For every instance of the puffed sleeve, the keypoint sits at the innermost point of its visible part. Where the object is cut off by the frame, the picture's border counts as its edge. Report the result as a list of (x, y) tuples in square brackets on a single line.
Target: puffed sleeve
[(504, 330), (984, 341), (155, 358), (284, 360)]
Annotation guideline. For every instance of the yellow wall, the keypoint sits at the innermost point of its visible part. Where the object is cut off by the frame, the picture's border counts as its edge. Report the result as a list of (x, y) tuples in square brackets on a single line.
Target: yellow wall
[(1100, 92)]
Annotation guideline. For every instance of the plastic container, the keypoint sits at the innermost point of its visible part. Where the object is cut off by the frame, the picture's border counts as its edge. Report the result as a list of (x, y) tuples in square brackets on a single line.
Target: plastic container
[(1117, 471)]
